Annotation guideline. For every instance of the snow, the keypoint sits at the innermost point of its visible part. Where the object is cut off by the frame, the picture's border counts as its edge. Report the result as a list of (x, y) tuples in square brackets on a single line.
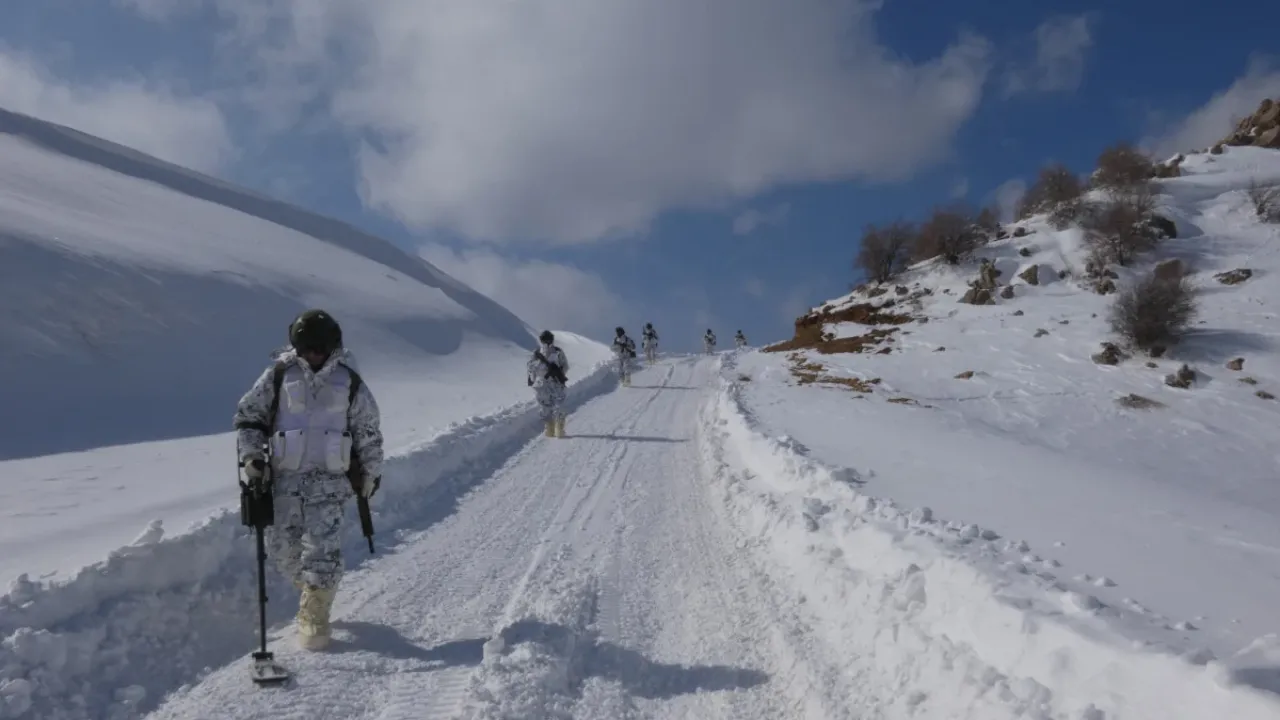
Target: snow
[(143, 299), (980, 531)]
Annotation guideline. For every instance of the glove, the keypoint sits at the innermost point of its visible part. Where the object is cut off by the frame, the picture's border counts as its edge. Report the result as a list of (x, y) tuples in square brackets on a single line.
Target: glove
[(370, 486), (255, 467)]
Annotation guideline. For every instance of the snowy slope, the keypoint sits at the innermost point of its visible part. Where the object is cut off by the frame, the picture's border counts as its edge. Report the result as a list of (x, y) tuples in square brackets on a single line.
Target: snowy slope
[(1156, 526), (141, 300)]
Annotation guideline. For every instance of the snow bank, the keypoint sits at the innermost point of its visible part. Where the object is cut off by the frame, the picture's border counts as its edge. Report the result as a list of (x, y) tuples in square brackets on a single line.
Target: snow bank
[(158, 614), (939, 620)]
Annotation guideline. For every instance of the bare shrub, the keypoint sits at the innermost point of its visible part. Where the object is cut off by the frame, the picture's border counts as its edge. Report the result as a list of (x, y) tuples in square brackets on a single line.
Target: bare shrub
[(1266, 201), (1122, 166), (949, 232), (885, 250), (1119, 229), (987, 222), (1154, 311), (1056, 191)]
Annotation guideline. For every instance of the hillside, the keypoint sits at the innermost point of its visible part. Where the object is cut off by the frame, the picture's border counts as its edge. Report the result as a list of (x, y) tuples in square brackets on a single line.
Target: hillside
[(1091, 491), (142, 299)]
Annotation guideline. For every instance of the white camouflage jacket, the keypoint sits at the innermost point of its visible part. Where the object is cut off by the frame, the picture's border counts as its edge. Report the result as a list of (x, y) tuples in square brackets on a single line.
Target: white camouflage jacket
[(538, 369), (363, 417)]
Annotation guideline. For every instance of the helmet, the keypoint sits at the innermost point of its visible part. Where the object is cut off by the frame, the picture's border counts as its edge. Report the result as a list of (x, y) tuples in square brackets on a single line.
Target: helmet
[(620, 331), (648, 324), (315, 331), (546, 338), (708, 331)]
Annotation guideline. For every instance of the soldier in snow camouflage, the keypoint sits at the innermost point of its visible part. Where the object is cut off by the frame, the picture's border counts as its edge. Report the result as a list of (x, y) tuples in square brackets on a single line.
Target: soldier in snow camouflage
[(319, 426), (547, 376)]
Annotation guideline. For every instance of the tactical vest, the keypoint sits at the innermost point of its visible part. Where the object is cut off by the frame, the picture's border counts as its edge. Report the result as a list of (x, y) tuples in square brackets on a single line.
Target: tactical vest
[(310, 430)]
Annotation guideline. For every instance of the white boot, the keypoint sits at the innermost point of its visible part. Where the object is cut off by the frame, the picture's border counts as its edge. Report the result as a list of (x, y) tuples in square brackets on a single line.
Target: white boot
[(313, 617), (560, 426), (549, 427)]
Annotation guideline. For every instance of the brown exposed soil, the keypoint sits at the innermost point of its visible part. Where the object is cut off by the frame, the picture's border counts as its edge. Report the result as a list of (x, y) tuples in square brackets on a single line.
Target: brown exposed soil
[(809, 330)]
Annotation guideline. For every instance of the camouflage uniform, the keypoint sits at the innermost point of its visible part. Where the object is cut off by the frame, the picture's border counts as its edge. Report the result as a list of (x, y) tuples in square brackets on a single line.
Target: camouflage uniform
[(549, 392), (306, 540), (624, 348)]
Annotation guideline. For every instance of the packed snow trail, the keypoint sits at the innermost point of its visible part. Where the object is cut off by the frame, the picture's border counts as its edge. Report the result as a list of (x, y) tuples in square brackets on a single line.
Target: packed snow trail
[(597, 561)]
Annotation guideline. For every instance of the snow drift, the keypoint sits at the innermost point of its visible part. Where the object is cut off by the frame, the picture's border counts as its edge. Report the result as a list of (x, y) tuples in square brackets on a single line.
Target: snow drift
[(142, 299), (939, 620), (111, 642)]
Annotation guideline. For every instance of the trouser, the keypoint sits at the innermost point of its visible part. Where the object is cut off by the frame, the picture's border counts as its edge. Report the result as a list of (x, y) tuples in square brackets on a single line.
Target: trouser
[(306, 539), (550, 395)]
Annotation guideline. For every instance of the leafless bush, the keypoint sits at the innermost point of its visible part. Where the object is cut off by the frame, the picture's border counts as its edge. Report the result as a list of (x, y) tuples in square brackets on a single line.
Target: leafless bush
[(885, 250), (1154, 311), (1122, 166), (1266, 202), (1120, 228), (949, 232), (1056, 191), (987, 222)]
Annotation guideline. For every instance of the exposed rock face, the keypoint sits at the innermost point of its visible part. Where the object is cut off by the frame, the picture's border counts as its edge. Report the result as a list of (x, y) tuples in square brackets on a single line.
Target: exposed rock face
[(1261, 129), (1007, 292), (978, 296), (1031, 275), (1236, 364), (1234, 277), (1162, 227), (1138, 402)]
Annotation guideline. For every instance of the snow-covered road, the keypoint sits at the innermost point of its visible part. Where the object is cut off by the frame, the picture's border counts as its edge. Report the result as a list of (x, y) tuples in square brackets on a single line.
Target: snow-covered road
[(597, 561)]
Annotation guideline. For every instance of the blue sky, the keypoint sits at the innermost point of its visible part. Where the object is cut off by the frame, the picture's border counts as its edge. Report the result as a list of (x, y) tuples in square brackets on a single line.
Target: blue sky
[(599, 162)]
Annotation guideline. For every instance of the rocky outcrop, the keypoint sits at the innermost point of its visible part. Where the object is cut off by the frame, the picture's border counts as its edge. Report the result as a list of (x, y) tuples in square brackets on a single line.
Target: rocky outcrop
[(1183, 378), (1031, 275), (1234, 277), (1110, 355), (1261, 129), (1172, 269)]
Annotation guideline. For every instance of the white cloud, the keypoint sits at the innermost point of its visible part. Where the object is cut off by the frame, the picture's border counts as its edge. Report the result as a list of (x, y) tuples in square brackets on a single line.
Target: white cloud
[(751, 220), (1006, 198), (181, 129), (156, 9), (960, 188), (543, 294), (1061, 44), (574, 120), (754, 287), (1214, 120)]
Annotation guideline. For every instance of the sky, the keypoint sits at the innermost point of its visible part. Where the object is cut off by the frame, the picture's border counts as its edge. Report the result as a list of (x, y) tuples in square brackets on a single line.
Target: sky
[(593, 163)]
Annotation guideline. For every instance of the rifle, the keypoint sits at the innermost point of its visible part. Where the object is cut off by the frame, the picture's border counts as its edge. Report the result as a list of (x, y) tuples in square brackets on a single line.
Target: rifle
[(355, 477), (553, 370)]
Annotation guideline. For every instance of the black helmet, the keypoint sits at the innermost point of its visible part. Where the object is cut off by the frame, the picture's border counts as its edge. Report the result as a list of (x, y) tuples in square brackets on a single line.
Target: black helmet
[(315, 331), (648, 324), (620, 331), (546, 338)]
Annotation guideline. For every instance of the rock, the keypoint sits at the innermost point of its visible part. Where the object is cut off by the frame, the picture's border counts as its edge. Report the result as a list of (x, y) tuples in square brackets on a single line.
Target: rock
[(1109, 273), (987, 274), (965, 375), (1031, 275), (1236, 364), (877, 292), (1234, 277), (978, 296), (1151, 364), (1002, 234), (1064, 322), (1062, 274), (1265, 395), (1137, 402), (901, 290), (1268, 138), (1248, 381), (884, 351), (1183, 378), (1020, 231), (1171, 269), (1162, 227), (940, 348), (1156, 351), (1024, 252), (1105, 286), (1110, 355), (1217, 149), (1018, 313), (1041, 332), (1007, 292)]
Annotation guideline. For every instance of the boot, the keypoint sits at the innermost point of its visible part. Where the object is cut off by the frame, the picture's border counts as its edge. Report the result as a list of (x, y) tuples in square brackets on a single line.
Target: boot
[(550, 427), (560, 426), (313, 617)]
